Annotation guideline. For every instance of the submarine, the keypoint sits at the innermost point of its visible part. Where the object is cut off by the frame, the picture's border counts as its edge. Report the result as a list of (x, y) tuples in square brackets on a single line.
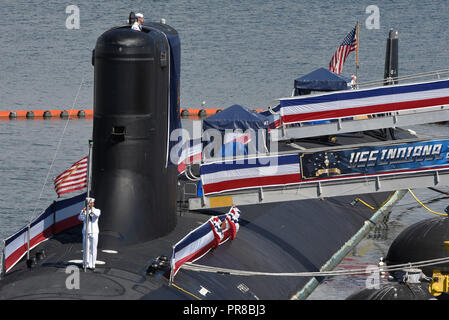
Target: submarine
[(421, 241), (136, 106)]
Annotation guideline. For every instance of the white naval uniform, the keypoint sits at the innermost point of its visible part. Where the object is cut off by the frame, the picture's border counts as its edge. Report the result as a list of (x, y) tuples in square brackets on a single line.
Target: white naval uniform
[(92, 237), (136, 26)]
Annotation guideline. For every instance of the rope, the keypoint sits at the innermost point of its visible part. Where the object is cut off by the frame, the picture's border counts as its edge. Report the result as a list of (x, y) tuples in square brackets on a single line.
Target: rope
[(57, 149), (424, 206), (192, 175), (189, 175), (186, 174), (366, 204), (414, 196), (370, 206), (210, 269), (440, 191)]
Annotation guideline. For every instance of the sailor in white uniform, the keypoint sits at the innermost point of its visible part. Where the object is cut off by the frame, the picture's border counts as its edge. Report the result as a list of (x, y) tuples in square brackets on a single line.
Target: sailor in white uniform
[(92, 234), (138, 24)]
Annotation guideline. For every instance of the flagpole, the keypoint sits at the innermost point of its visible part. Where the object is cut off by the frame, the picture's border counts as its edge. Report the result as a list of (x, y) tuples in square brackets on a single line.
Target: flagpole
[(357, 63), (86, 219), (172, 266), (2, 260)]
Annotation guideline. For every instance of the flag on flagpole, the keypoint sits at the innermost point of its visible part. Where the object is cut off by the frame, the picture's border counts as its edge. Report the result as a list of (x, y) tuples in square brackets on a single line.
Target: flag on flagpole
[(74, 178), (349, 44)]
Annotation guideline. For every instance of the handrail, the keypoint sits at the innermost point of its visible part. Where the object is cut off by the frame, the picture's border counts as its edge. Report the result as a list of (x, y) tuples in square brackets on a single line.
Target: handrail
[(380, 82), (437, 73)]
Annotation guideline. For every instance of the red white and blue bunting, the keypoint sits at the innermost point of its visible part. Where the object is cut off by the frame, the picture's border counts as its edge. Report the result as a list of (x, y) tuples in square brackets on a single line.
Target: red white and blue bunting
[(211, 234)]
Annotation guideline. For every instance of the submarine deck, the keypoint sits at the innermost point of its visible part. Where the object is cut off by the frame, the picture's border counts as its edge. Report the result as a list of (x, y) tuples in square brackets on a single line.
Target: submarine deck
[(292, 236)]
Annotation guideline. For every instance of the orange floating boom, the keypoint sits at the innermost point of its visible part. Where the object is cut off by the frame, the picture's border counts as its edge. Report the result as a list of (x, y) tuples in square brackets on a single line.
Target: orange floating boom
[(88, 113), (46, 114)]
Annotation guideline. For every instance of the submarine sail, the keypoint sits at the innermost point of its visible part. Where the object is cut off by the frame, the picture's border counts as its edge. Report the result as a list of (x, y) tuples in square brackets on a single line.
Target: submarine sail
[(131, 181)]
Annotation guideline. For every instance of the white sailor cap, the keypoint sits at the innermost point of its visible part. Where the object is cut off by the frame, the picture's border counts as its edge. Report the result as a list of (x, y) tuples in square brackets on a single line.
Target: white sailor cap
[(139, 15), (90, 200)]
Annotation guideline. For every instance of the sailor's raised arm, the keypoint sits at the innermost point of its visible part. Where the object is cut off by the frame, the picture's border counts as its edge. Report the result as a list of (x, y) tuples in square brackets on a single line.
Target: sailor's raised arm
[(82, 215)]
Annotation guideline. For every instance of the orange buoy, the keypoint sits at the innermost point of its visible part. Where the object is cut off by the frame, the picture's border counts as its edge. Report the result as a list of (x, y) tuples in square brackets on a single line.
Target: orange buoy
[(46, 114), (81, 114)]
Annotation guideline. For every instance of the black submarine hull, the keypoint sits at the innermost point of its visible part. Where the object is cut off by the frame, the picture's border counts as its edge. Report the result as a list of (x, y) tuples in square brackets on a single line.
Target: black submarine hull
[(293, 236)]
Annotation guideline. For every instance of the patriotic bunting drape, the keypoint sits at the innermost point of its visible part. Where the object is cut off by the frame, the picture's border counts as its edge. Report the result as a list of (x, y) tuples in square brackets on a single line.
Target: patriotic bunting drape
[(214, 232)]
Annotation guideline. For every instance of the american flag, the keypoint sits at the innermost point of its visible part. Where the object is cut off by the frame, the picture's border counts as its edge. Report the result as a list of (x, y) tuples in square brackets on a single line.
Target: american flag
[(74, 178), (348, 45)]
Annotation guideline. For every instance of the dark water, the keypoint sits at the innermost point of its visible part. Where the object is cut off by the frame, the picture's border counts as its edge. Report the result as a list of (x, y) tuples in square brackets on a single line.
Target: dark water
[(245, 52)]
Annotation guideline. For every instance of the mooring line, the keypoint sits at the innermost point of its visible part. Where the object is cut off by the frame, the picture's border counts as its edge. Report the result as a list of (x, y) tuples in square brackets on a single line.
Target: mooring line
[(57, 149), (348, 272)]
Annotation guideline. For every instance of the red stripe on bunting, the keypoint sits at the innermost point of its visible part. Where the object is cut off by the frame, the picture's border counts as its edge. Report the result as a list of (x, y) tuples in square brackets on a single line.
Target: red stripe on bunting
[(348, 112), (251, 182), (193, 256), (15, 256), (67, 223)]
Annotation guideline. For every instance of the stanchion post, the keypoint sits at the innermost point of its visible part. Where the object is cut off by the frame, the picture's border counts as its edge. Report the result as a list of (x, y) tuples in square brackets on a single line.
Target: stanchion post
[(2, 260), (28, 240), (86, 219), (54, 219)]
